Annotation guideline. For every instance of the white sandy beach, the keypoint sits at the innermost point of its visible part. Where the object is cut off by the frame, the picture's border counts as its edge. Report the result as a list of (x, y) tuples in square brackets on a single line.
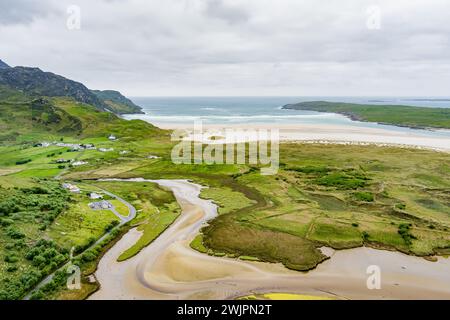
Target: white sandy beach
[(324, 133)]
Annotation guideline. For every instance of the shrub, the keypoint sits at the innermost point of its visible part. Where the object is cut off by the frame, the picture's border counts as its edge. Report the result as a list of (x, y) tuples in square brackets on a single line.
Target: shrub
[(14, 233), (38, 261), (6, 222), (25, 161), (88, 256), (364, 196), (12, 268), (35, 190), (8, 207), (404, 231), (46, 255), (30, 279), (19, 244), (32, 253), (38, 295), (365, 235), (11, 258), (343, 180), (111, 226), (79, 249)]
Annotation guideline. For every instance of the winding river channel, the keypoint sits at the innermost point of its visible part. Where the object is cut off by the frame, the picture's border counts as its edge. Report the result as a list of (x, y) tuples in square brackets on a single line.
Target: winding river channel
[(169, 269)]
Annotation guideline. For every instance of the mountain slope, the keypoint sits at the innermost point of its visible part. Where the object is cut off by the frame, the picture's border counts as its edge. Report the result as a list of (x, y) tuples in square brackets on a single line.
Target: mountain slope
[(24, 118), (117, 102), (38, 118), (3, 65), (36, 82)]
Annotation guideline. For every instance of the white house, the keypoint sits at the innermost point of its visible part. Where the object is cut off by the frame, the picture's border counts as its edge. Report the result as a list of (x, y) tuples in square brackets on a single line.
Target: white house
[(102, 205), (71, 187), (106, 204)]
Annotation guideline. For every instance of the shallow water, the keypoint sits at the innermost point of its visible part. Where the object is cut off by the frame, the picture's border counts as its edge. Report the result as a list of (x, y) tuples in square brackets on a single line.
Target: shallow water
[(172, 111)]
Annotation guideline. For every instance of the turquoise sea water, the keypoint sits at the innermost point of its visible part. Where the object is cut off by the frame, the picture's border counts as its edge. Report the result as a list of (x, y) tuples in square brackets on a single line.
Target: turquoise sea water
[(267, 110)]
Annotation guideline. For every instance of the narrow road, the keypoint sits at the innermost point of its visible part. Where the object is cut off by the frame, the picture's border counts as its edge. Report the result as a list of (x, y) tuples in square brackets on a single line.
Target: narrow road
[(123, 220), (131, 209)]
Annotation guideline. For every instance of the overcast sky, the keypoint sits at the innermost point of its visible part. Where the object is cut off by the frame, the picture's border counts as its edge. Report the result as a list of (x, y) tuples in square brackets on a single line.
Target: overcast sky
[(236, 47)]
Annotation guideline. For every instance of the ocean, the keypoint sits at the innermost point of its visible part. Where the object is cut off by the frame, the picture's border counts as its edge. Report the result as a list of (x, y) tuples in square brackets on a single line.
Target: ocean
[(267, 110)]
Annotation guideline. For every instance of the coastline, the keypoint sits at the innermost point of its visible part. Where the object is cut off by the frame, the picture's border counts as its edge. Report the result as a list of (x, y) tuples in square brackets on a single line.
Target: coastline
[(327, 133), (354, 116)]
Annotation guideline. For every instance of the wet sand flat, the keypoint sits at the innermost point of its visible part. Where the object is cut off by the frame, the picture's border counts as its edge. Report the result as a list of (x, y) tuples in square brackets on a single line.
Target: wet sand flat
[(169, 269)]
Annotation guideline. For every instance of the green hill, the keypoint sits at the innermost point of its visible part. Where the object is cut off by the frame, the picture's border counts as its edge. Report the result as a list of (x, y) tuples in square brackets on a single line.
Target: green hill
[(117, 102), (36, 83), (24, 118), (406, 116)]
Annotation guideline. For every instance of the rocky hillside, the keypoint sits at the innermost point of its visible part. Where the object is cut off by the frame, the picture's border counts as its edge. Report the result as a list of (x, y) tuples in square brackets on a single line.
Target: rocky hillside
[(36, 83), (117, 102), (3, 65), (24, 118)]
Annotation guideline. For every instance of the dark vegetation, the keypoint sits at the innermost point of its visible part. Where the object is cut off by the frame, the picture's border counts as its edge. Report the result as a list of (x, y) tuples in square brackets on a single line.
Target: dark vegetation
[(24, 213)]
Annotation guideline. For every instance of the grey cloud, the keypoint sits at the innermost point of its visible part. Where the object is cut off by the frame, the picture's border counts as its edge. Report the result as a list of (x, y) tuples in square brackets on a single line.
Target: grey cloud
[(220, 9), (22, 11), (230, 47)]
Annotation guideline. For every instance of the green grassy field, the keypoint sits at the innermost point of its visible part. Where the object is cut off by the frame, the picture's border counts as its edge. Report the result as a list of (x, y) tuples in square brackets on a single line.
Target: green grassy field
[(226, 199), (340, 196), (79, 225), (316, 197), (157, 209), (414, 117)]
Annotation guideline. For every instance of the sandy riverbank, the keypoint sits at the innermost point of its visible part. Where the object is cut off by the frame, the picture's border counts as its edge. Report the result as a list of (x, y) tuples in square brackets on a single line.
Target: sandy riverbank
[(169, 269)]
